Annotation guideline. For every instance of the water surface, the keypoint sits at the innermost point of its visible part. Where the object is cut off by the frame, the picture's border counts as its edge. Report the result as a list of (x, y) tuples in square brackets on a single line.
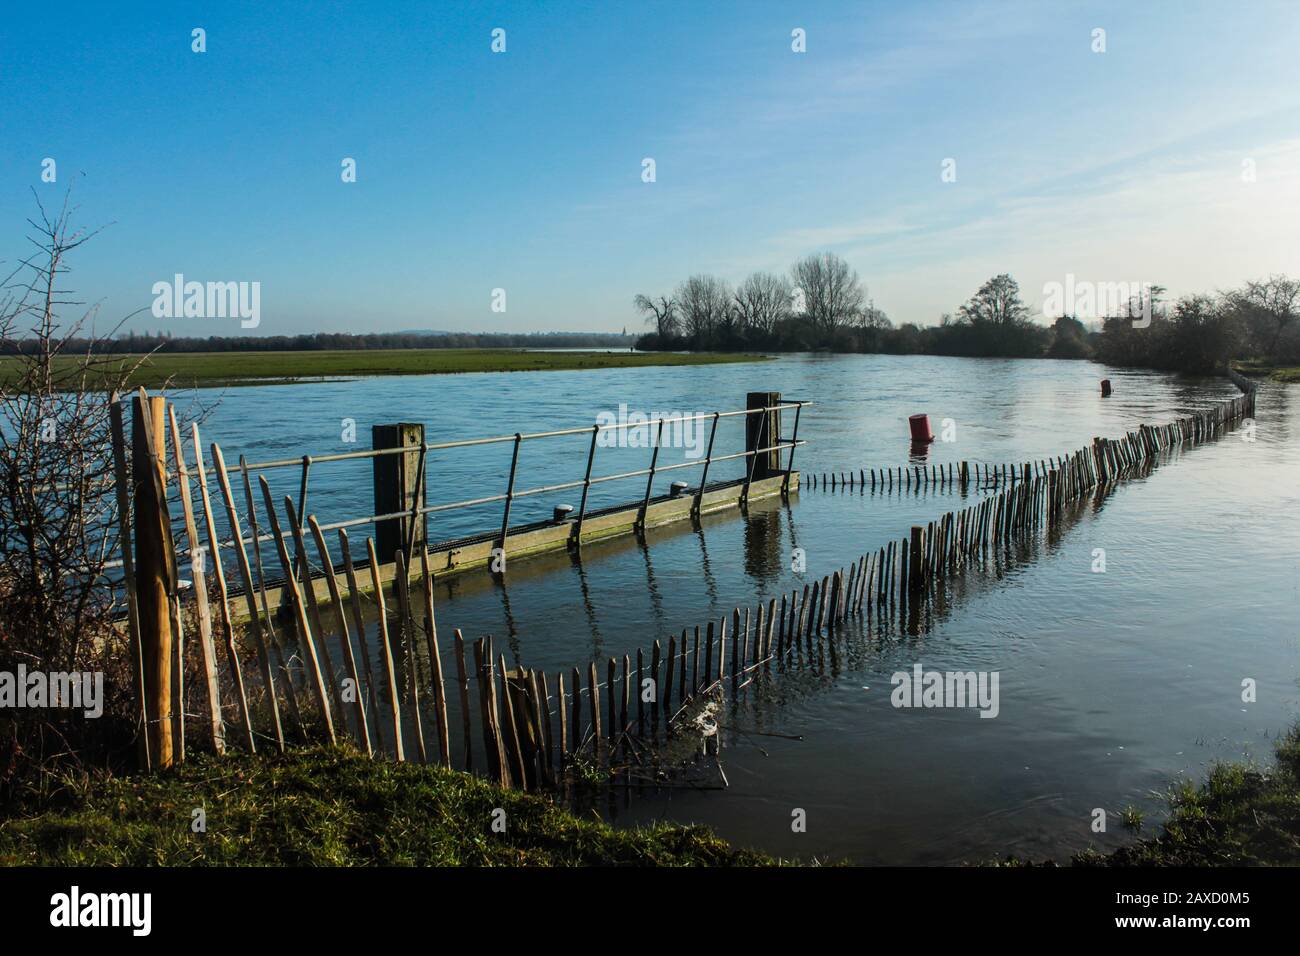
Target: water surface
[(1112, 685)]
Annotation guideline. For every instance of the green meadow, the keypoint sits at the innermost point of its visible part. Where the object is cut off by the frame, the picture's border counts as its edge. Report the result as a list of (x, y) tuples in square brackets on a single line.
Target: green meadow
[(210, 369)]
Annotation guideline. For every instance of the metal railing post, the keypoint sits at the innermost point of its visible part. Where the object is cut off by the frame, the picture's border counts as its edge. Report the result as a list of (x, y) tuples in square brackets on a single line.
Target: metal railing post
[(794, 443), (753, 461), (650, 481), (409, 547), (586, 486), (302, 504), (708, 459), (510, 495)]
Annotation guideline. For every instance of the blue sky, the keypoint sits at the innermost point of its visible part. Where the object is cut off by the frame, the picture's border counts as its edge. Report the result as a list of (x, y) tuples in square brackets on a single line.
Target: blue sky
[(522, 170)]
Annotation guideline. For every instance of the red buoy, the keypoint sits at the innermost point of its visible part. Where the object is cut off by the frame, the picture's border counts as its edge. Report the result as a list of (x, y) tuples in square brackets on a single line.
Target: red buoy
[(1105, 387), (920, 425)]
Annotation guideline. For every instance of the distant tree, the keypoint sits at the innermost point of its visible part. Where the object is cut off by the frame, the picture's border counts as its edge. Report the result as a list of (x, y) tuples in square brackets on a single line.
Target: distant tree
[(704, 302), (1069, 339), (874, 318), (662, 312), (997, 302), (832, 293), (761, 302), (1271, 304), (1205, 334)]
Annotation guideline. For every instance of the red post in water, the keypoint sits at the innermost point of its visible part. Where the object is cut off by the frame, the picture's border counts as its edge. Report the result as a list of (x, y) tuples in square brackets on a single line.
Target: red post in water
[(920, 425), (1105, 387)]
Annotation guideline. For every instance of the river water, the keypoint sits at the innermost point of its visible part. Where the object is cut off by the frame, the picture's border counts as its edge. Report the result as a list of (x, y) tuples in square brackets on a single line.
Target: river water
[(1112, 685)]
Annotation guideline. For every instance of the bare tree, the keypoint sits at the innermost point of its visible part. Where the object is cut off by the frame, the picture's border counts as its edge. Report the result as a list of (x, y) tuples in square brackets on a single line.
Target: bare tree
[(832, 293), (761, 302), (1274, 301), (662, 312), (704, 302), (872, 317)]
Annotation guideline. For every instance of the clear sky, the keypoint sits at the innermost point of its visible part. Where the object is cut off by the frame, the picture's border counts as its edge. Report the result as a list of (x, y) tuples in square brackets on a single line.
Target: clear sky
[(523, 170)]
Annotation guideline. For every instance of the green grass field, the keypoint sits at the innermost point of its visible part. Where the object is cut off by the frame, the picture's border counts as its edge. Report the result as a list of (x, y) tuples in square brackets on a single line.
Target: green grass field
[(208, 369), (332, 807), (1261, 369)]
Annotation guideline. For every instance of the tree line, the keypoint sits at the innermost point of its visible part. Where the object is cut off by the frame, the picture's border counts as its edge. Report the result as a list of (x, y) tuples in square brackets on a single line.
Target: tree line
[(822, 305), (161, 341)]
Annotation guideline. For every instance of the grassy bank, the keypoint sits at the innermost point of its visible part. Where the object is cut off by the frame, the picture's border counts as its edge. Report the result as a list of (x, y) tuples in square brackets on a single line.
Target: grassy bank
[(330, 807), (1277, 373), (1241, 815), (204, 369), (333, 807)]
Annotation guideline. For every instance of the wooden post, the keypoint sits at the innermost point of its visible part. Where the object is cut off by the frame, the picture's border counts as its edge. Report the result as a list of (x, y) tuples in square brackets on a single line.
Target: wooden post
[(207, 648), (722, 648), (708, 659), (694, 665), (341, 622), (386, 655), (246, 575), (306, 596), (613, 730), (300, 615), (396, 489), (640, 683), (287, 681), (681, 680), (914, 565), (124, 498), (406, 646), (562, 705), (575, 681), (669, 666), (593, 686), (514, 746), (736, 652), (763, 430), (359, 619), (435, 662), (654, 683), (496, 765), (155, 575), (463, 680), (623, 709), (542, 717), (223, 594)]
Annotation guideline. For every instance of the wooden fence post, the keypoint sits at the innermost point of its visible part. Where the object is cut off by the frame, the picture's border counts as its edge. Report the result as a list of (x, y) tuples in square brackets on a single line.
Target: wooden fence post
[(155, 573), (395, 480), (763, 430)]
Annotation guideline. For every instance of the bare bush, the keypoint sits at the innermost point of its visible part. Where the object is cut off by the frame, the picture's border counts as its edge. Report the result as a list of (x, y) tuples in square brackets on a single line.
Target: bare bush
[(57, 509)]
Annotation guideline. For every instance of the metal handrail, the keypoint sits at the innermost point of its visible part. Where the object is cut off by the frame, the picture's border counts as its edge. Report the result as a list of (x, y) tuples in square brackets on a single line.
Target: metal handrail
[(306, 461), (498, 439)]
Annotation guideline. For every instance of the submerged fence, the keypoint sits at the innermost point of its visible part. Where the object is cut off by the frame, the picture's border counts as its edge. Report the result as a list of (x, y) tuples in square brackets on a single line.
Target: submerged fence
[(290, 617), (893, 584)]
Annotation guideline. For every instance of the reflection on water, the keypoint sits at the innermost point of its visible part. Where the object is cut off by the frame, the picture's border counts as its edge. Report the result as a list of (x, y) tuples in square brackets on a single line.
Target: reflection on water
[(1112, 684)]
